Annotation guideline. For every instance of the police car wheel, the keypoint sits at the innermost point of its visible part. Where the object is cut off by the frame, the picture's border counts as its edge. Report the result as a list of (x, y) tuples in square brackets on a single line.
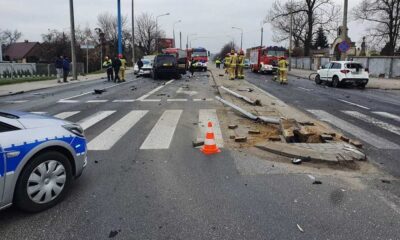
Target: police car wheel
[(43, 182)]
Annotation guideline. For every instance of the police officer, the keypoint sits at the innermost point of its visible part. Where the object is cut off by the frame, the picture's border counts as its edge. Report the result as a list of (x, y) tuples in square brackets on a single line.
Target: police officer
[(232, 65), (218, 63), (240, 65), (283, 71), (226, 63)]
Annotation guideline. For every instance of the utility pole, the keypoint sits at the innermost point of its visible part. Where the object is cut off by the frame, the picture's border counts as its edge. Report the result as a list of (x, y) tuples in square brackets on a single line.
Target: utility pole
[(262, 35), (1, 51), (119, 28), (180, 40), (73, 53), (291, 36), (133, 33), (173, 30), (344, 28), (241, 36), (166, 14)]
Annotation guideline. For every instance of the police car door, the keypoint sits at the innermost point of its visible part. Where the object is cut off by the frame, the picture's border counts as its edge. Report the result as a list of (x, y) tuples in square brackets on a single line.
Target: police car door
[(2, 173)]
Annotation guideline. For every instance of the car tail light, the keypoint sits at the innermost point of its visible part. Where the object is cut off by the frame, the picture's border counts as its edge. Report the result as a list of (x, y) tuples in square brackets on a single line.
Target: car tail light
[(345, 71)]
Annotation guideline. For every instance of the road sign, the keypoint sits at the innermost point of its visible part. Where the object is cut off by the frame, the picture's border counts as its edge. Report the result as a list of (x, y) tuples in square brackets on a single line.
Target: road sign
[(344, 46), (88, 46)]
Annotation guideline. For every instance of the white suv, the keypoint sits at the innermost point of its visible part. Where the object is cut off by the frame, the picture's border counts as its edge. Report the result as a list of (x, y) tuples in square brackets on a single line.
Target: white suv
[(342, 73)]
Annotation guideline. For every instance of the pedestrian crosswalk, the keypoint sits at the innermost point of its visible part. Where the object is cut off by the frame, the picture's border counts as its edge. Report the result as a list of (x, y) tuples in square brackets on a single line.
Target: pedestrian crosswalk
[(358, 132), (159, 136), (162, 133)]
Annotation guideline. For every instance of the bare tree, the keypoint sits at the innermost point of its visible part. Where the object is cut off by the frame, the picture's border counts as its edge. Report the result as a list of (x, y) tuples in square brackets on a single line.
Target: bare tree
[(146, 34), (8, 37), (386, 16), (309, 15)]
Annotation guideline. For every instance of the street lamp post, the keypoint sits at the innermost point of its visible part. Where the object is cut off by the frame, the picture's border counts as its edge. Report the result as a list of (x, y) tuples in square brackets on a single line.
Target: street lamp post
[(173, 29), (165, 14), (133, 33), (291, 36), (119, 28), (241, 36), (73, 53)]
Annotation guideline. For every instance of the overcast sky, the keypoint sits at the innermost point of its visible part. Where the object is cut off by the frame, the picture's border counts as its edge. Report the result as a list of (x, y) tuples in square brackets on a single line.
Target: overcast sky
[(212, 20)]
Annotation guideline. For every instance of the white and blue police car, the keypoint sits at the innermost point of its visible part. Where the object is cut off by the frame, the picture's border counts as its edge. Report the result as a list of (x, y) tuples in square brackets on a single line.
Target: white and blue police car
[(39, 158)]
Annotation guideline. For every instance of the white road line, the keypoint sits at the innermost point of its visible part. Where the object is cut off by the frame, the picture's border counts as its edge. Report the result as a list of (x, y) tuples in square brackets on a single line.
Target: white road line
[(124, 101), (65, 115), (368, 119), (97, 101), (67, 101), (151, 100), (107, 139), (388, 115), (162, 133), (305, 89), (354, 104), (86, 93), (206, 115), (202, 100), (16, 101), (39, 113), (95, 118), (153, 91), (363, 135), (177, 100)]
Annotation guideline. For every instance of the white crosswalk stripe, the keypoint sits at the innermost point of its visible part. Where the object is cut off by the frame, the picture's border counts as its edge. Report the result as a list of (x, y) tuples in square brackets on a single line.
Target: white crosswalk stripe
[(374, 121), (210, 115), (65, 115), (39, 113), (162, 133), (388, 115), (95, 118), (363, 135), (107, 139)]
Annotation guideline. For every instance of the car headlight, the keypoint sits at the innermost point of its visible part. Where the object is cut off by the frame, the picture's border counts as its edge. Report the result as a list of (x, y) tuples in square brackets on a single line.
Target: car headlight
[(75, 129)]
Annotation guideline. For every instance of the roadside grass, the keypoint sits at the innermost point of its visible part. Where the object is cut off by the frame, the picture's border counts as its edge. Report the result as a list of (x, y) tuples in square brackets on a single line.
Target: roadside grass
[(7, 81)]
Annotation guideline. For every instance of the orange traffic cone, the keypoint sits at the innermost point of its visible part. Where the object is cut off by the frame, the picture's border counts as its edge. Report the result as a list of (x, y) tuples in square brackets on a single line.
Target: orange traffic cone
[(210, 147)]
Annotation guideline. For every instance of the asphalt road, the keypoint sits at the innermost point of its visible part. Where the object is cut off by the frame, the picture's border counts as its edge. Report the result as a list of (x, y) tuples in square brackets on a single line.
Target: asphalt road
[(152, 184), (371, 116)]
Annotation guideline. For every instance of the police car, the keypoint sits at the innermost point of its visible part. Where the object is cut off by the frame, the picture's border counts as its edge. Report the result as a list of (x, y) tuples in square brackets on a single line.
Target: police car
[(39, 158)]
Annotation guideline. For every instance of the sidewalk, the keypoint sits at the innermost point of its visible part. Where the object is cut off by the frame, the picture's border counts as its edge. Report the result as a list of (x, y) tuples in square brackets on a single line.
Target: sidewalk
[(374, 83), (31, 86)]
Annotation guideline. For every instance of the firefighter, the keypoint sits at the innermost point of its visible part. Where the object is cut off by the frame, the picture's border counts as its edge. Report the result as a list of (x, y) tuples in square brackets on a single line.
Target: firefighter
[(232, 65), (218, 63), (240, 65), (226, 62), (123, 67), (283, 71)]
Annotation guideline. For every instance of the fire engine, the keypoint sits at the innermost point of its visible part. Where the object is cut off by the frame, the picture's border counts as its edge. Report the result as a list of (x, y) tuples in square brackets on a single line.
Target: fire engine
[(181, 58), (265, 59), (200, 56)]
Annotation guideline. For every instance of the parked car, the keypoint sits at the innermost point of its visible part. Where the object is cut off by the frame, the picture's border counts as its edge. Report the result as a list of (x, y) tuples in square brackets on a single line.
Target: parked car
[(247, 63), (165, 66), (343, 73), (146, 69), (39, 158)]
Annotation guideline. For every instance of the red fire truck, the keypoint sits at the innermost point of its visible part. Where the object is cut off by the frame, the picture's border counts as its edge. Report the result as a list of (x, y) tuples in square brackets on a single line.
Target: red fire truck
[(265, 59), (200, 56), (181, 58)]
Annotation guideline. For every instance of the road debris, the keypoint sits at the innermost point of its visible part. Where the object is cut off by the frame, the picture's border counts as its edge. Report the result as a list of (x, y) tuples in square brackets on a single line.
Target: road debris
[(301, 229), (248, 100), (386, 181), (246, 90), (249, 115), (317, 182), (344, 138), (241, 139), (356, 143), (297, 161), (326, 137), (197, 143), (99, 91), (233, 126), (254, 131)]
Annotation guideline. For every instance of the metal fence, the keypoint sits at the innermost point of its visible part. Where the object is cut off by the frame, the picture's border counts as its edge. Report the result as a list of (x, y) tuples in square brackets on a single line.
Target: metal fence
[(27, 70), (385, 67)]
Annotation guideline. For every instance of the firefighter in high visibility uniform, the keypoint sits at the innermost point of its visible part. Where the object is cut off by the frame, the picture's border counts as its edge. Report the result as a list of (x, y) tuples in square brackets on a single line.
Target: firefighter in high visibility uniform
[(232, 65), (123, 67), (283, 70), (240, 65), (226, 62)]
